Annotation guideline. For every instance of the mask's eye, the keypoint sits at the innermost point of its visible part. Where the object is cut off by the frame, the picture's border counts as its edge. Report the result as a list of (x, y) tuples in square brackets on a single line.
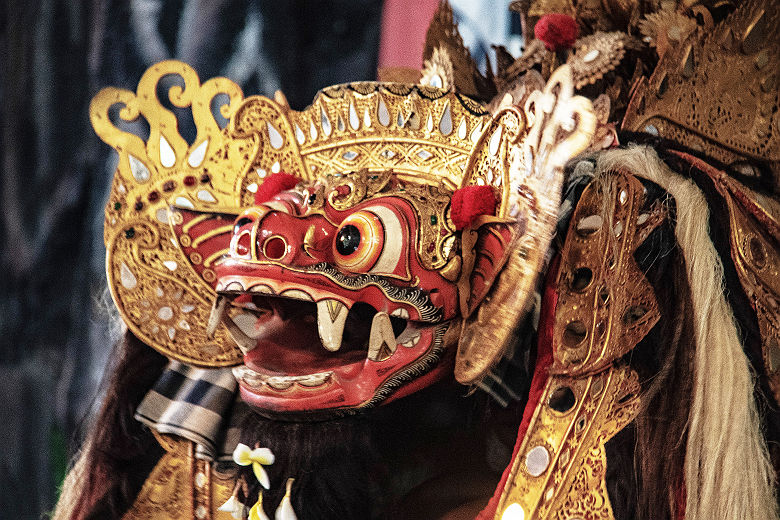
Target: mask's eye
[(370, 241), (359, 241)]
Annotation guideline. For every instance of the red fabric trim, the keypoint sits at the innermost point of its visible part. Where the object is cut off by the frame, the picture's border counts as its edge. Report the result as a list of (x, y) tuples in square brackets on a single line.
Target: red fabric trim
[(679, 513), (544, 358), (724, 182), (273, 185)]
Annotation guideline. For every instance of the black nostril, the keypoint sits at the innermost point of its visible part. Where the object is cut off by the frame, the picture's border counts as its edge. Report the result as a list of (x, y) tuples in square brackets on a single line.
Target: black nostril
[(243, 221)]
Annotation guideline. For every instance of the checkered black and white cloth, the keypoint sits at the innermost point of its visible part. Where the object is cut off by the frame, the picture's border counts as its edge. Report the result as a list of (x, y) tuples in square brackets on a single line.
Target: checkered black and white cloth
[(198, 404)]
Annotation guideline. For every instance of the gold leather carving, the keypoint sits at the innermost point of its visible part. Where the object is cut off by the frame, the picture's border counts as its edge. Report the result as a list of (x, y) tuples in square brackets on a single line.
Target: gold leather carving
[(573, 484), (181, 487), (607, 226), (605, 305)]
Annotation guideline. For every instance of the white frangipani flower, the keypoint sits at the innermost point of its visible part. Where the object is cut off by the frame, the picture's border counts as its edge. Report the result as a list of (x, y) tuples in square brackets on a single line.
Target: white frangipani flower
[(243, 455)]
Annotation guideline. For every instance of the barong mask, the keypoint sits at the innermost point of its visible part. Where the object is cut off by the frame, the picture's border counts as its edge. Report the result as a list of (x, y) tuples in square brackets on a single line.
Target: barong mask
[(341, 255)]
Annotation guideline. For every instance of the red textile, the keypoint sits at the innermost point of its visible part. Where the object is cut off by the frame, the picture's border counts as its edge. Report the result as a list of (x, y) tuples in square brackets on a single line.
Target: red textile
[(273, 185), (470, 202), (544, 358), (557, 31)]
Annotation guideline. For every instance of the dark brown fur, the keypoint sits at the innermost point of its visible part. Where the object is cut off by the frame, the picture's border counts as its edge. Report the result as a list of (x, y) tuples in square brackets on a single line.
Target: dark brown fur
[(120, 451)]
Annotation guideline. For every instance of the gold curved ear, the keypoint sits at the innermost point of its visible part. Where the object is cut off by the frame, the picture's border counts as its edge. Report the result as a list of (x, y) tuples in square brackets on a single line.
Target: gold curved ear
[(161, 281), (523, 154)]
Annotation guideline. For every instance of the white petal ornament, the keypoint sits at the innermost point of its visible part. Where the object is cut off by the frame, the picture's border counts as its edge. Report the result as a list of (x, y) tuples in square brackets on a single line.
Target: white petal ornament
[(234, 507), (243, 455), (285, 510), (257, 512)]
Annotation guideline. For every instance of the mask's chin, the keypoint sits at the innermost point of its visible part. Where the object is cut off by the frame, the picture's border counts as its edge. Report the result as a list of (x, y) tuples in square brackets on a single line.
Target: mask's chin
[(289, 371)]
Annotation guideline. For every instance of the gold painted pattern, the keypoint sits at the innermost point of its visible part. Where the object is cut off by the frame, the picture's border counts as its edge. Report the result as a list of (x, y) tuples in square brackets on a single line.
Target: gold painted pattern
[(731, 113), (181, 487), (161, 298)]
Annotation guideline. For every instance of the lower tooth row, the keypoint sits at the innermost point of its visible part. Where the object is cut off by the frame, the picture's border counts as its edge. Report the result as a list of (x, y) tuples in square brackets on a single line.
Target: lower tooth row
[(255, 380)]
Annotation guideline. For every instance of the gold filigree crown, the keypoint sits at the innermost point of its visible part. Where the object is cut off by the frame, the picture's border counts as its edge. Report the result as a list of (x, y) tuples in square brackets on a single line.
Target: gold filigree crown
[(163, 283)]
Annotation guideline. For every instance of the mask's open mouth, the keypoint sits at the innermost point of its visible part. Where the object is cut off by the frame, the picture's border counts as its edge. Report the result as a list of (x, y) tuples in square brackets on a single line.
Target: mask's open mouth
[(309, 348), (290, 335)]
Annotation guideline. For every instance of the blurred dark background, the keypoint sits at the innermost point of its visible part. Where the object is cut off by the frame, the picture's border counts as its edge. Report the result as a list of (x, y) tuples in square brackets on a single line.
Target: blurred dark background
[(55, 331)]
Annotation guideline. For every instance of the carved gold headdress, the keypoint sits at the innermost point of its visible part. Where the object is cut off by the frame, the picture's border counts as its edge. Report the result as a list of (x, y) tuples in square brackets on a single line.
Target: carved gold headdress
[(164, 284)]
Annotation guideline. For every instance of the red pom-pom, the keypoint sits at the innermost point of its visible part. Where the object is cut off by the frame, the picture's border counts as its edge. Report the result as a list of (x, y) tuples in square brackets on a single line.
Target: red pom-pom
[(557, 31), (470, 202), (273, 185)]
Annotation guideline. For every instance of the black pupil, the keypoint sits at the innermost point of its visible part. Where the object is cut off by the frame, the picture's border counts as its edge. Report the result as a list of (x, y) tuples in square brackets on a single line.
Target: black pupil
[(347, 240)]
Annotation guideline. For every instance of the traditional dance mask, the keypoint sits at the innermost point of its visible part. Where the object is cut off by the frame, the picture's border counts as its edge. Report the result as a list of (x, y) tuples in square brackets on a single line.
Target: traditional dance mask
[(341, 255)]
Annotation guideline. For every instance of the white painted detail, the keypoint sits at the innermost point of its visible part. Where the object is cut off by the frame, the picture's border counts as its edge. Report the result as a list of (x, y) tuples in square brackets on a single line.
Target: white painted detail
[(462, 129), (138, 169), (354, 120), (162, 215), (276, 167), (171, 265), (165, 313), (476, 133), (325, 122), (445, 123), (206, 196), (252, 188), (198, 154), (391, 252), (299, 135), (275, 138), (366, 118), (126, 276), (495, 141), (331, 317), (183, 202), (382, 112), (592, 55), (167, 156), (381, 339)]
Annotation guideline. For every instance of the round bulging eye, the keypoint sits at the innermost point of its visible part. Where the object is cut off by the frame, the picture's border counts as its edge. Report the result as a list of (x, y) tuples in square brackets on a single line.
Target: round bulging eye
[(359, 241)]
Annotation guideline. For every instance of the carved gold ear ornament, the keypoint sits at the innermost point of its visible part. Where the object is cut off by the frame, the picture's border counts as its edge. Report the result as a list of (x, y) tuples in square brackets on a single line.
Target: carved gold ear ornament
[(526, 153), (162, 298)]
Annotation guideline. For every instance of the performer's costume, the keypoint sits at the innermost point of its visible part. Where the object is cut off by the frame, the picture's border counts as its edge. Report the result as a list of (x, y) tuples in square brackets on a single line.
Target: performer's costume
[(618, 303)]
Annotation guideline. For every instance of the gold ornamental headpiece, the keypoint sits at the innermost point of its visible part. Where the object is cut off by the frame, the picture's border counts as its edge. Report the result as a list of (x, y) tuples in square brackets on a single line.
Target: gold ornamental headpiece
[(718, 91), (163, 282)]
